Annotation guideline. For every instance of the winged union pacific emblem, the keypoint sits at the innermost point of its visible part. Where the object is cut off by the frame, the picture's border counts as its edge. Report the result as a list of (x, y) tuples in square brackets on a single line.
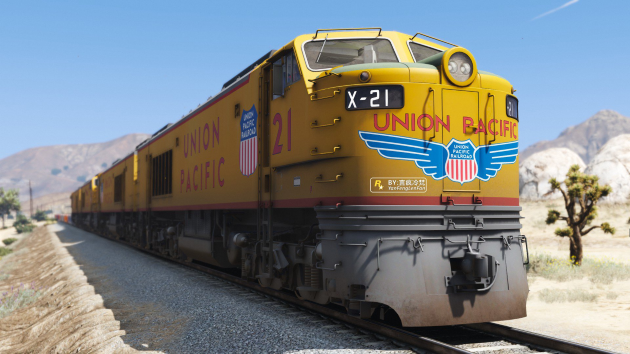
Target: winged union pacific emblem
[(460, 161)]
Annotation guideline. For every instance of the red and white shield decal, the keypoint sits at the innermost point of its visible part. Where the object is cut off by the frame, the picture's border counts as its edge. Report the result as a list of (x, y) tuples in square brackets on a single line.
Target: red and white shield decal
[(461, 165)]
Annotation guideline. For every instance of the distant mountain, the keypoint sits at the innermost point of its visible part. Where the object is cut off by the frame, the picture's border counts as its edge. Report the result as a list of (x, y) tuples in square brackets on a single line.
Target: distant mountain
[(612, 166), (536, 170), (62, 168), (586, 138)]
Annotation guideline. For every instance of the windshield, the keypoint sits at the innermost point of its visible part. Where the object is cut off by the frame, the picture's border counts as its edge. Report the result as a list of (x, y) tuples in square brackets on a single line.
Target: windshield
[(420, 51), (328, 53)]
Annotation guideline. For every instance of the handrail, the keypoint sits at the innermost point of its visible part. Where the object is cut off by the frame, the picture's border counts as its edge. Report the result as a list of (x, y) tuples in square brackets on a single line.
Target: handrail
[(314, 151), (330, 180), (437, 39), (350, 29), (319, 237), (314, 96), (494, 131), (322, 268), (326, 74), (431, 91), (524, 240), (315, 125), (476, 227)]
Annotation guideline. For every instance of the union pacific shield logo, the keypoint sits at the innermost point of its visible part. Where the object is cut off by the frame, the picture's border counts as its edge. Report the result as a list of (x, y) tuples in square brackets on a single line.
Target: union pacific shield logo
[(248, 154), (461, 165), (460, 161)]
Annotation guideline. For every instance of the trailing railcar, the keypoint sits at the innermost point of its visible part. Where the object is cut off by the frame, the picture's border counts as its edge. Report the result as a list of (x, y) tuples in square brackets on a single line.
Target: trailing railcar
[(370, 169)]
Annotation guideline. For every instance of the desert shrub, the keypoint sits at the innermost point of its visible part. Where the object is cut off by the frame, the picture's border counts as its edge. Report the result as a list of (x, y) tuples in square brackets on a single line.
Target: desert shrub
[(552, 268), (598, 270), (611, 295), (558, 295), (605, 271), (4, 251), (23, 225), (40, 215), (17, 298), (8, 241)]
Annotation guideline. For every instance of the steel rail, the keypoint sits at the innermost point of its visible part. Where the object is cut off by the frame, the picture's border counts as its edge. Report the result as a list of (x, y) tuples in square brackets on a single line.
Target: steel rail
[(394, 333), (538, 340)]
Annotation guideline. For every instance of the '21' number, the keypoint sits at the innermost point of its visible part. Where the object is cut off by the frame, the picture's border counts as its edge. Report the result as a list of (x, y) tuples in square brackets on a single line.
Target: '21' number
[(277, 119)]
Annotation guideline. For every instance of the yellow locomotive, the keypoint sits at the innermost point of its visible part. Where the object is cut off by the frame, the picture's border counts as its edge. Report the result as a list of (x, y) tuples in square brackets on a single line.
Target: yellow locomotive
[(370, 169)]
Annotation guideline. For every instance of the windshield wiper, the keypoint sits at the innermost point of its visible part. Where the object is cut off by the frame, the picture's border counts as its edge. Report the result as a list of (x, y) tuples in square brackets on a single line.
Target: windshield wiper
[(321, 50)]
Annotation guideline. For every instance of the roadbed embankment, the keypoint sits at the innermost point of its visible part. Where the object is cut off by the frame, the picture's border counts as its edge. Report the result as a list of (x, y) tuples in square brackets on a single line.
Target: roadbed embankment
[(49, 306)]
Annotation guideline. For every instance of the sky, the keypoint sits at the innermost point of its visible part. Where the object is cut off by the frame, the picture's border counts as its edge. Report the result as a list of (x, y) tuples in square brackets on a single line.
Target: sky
[(91, 71)]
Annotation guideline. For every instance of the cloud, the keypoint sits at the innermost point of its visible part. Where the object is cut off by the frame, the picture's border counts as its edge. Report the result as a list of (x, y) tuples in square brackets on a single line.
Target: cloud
[(569, 3)]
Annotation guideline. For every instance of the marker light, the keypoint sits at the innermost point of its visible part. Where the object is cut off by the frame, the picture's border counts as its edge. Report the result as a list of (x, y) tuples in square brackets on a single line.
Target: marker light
[(364, 76)]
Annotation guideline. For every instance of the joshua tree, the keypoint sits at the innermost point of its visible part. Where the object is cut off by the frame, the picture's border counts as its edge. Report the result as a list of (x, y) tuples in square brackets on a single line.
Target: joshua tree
[(8, 202), (584, 191)]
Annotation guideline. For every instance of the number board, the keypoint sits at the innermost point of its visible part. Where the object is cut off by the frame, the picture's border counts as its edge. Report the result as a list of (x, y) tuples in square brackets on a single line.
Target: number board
[(375, 97), (511, 107)]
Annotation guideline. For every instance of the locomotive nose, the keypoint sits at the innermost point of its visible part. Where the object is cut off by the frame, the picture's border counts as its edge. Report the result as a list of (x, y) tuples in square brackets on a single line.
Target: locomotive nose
[(375, 73)]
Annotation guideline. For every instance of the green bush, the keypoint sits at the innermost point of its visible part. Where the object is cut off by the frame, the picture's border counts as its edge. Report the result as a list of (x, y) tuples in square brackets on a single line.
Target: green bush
[(9, 241), (21, 229), (22, 224), (40, 215), (4, 251)]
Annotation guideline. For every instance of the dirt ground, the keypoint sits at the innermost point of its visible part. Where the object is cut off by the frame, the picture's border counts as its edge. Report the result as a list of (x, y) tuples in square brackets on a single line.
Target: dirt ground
[(603, 322), (67, 316)]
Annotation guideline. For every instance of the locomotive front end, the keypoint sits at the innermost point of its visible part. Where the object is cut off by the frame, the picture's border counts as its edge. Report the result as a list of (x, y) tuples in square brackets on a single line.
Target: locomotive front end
[(428, 225)]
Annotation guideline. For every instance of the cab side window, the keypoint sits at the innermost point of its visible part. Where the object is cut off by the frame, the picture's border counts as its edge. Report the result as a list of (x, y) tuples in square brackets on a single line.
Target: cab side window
[(420, 51), (285, 73)]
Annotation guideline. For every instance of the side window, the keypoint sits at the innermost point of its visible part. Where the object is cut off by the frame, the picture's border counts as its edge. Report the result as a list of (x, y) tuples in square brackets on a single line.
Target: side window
[(286, 72), (420, 51), (118, 185), (162, 168)]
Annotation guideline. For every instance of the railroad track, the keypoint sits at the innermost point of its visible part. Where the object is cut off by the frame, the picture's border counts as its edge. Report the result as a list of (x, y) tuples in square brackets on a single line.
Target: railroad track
[(475, 338)]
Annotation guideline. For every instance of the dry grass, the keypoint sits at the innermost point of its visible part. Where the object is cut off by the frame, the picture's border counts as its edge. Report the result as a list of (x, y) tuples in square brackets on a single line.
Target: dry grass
[(597, 270)]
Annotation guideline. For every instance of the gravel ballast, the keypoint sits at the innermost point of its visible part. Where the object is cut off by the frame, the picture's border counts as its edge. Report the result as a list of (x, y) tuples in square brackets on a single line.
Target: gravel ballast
[(167, 307)]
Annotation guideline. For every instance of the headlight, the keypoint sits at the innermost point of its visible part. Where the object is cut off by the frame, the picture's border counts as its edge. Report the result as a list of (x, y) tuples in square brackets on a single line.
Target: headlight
[(460, 66)]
